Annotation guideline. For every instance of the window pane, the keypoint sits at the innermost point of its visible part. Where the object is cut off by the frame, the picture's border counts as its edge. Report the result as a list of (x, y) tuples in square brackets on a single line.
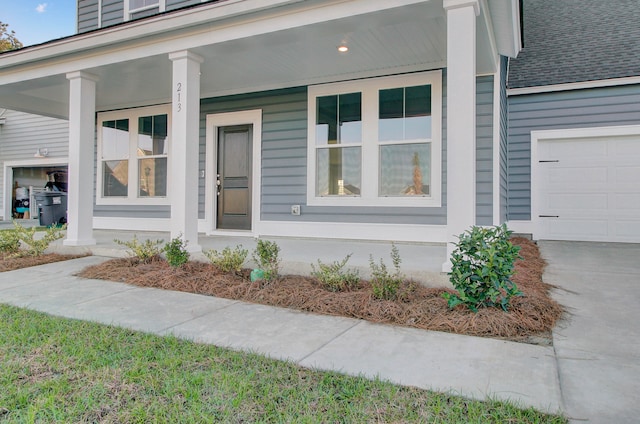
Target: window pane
[(405, 169), (115, 178), (152, 174), (338, 171), (152, 135), (350, 118), (418, 112), (404, 113), (136, 4), (339, 119), (391, 114), (115, 139), (327, 120)]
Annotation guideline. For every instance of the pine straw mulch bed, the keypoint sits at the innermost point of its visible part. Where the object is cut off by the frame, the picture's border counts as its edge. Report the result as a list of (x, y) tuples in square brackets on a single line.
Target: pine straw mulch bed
[(9, 262), (530, 318)]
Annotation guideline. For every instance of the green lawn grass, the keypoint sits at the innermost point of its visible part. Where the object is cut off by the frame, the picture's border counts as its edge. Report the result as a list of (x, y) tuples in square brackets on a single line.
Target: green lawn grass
[(60, 370)]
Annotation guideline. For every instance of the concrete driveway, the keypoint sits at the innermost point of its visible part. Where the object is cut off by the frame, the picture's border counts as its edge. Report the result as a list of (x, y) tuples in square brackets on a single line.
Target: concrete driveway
[(598, 344)]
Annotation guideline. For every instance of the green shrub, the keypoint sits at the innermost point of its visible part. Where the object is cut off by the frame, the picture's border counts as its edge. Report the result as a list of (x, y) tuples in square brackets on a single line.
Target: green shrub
[(145, 252), (9, 241), (36, 246), (333, 277), (482, 266), (228, 260), (266, 256), (176, 252), (384, 284)]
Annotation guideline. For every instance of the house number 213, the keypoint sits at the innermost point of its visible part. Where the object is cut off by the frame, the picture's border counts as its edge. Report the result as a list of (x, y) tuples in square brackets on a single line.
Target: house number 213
[(179, 96)]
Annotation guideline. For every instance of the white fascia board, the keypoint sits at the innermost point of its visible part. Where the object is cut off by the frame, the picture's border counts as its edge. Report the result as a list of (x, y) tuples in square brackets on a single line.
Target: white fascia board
[(573, 86), (506, 21), (488, 23), (158, 35)]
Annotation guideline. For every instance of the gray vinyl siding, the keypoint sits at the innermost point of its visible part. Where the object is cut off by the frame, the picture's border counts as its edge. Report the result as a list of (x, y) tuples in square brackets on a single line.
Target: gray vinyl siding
[(284, 160), (504, 113), (484, 150), (112, 12), (88, 15), (597, 107), (23, 133)]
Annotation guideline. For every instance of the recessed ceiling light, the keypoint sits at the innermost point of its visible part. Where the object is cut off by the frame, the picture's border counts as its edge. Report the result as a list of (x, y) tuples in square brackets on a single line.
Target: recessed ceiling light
[(343, 48)]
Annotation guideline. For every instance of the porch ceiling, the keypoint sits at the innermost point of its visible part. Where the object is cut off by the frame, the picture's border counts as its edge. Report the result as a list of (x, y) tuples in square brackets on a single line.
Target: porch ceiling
[(138, 71)]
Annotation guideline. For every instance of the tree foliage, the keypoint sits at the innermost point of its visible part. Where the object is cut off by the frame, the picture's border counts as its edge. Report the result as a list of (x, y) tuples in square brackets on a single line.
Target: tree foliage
[(8, 40)]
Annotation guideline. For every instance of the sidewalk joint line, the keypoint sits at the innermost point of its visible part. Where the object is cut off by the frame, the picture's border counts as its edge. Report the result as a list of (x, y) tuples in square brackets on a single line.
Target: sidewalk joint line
[(330, 341)]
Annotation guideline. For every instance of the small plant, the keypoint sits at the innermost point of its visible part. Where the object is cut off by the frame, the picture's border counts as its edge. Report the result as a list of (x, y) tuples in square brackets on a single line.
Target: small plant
[(176, 252), (228, 260), (333, 277), (384, 284), (9, 242), (145, 252), (266, 256), (36, 246), (482, 266)]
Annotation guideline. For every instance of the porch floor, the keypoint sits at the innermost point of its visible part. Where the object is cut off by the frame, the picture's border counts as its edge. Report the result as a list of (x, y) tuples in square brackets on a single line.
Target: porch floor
[(421, 262)]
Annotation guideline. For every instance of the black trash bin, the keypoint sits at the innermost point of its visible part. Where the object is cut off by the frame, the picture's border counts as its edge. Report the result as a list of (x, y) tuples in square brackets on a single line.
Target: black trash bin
[(52, 207)]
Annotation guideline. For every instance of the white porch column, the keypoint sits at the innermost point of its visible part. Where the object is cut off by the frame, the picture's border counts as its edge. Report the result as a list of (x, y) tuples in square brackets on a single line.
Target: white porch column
[(82, 111), (461, 118), (185, 122)]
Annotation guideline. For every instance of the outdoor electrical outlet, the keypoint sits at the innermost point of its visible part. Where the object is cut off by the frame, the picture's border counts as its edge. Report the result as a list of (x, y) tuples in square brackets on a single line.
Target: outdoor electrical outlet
[(295, 209)]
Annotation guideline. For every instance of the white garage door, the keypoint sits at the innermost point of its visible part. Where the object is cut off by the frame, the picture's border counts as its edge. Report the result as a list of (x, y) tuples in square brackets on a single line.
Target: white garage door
[(589, 189)]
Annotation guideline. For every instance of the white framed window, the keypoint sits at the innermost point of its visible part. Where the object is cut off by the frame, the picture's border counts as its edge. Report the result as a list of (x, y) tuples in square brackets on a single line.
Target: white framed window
[(376, 142), (133, 156), (135, 6)]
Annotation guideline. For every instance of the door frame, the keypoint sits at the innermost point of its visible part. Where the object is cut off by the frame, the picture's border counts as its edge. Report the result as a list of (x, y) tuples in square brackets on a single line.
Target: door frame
[(563, 135), (213, 123)]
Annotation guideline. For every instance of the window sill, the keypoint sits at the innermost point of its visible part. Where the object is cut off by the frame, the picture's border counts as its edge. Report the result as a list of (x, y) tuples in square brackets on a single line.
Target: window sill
[(125, 201), (353, 201)]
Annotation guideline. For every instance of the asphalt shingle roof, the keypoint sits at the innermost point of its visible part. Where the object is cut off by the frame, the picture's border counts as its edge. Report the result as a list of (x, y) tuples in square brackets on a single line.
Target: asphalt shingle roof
[(569, 41)]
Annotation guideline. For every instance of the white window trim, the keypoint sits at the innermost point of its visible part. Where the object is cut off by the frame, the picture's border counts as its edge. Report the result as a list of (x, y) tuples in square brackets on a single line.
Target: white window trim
[(132, 198), (370, 152), (128, 11)]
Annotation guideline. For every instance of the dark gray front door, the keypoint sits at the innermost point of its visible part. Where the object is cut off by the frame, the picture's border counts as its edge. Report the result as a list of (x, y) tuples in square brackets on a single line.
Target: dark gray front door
[(234, 178)]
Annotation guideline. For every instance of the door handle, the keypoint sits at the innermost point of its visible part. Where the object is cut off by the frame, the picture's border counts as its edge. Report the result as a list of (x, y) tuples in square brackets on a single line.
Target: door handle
[(218, 185)]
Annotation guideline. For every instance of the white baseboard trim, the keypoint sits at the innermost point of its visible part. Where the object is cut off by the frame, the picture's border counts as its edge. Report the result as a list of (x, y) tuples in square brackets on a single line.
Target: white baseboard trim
[(355, 231), (521, 227), (131, 224)]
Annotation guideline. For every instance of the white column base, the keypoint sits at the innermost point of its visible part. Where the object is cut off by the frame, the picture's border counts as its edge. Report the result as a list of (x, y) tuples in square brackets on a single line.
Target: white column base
[(76, 242)]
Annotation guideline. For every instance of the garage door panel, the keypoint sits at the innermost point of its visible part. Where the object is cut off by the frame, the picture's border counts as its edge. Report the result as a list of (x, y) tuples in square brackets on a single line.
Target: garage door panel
[(577, 229), (589, 189), (627, 202), (627, 230), (578, 176), (627, 175), (589, 149), (627, 148), (577, 202)]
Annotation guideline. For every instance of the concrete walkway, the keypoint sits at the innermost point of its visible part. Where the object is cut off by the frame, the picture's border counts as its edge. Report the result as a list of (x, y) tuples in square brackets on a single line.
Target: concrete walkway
[(598, 344), (469, 366), (591, 374)]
